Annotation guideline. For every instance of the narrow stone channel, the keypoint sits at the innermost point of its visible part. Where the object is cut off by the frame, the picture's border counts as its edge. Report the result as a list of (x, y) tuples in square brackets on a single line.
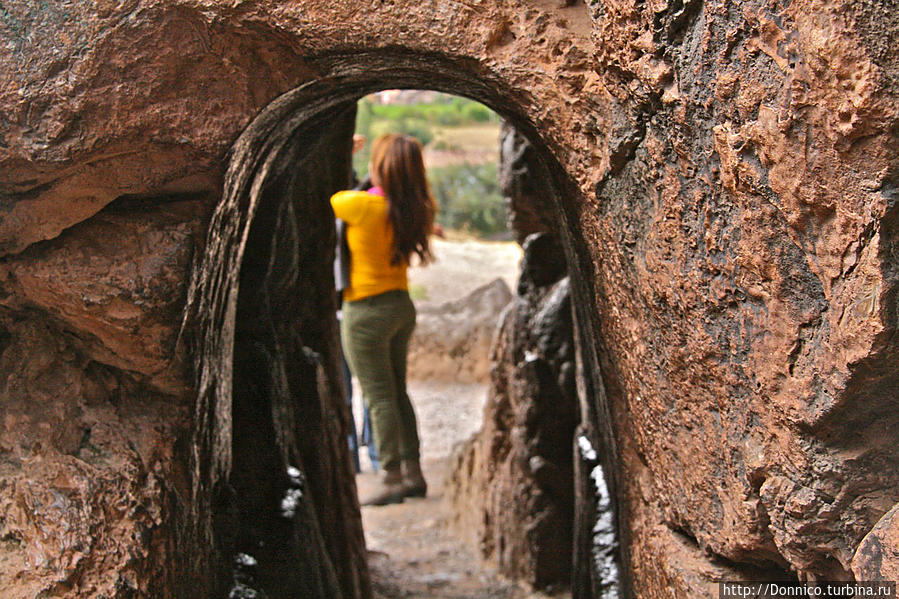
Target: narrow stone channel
[(414, 551), (417, 549), (722, 183)]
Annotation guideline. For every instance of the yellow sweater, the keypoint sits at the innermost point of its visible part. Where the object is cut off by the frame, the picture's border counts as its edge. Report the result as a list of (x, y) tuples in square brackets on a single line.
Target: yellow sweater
[(369, 235)]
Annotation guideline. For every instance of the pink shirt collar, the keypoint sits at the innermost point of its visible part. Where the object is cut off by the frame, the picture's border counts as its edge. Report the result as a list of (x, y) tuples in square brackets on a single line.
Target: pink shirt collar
[(377, 191)]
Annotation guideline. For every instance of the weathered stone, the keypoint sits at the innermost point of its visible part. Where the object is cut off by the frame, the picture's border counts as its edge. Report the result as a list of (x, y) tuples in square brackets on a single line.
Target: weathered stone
[(512, 483), (117, 284), (92, 475), (877, 556), (272, 443), (95, 405), (527, 208), (762, 343), (452, 340), (722, 176)]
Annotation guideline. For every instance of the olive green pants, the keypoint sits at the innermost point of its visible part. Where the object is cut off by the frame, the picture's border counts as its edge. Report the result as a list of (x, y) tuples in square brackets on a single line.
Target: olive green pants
[(375, 332)]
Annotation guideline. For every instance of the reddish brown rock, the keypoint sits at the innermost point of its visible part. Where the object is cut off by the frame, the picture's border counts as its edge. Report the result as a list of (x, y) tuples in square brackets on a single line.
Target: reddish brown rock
[(724, 181), (95, 405), (117, 284), (768, 365), (93, 473)]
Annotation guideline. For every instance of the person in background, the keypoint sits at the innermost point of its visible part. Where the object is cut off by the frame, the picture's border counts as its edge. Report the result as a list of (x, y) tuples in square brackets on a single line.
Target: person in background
[(385, 226), (341, 282)]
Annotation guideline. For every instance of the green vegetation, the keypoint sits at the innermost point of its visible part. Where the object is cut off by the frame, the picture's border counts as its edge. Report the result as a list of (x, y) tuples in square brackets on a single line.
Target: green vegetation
[(422, 121), (465, 186), (418, 292), (468, 198), (450, 111)]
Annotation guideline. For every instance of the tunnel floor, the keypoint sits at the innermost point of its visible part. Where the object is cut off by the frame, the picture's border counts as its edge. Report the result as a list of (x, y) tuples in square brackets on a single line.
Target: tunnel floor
[(413, 550)]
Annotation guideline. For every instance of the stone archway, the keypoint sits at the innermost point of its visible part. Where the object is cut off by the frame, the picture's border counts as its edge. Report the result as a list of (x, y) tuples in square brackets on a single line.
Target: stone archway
[(281, 173), (733, 201)]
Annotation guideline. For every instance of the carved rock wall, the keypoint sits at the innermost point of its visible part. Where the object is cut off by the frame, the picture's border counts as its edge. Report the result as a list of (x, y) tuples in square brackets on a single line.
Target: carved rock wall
[(95, 488), (512, 484), (767, 264), (512, 488), (726, 185), (291, 482)]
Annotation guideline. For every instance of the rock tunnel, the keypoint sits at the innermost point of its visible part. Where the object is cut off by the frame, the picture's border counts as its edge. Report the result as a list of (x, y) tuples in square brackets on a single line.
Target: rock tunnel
[(722, 182)]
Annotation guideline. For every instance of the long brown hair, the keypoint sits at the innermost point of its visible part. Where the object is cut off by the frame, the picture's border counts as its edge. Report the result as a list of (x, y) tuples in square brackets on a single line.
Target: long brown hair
[(398, 169)]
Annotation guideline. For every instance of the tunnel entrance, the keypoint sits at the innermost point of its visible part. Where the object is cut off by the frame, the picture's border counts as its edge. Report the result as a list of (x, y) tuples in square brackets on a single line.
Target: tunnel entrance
[(271, 416), (430, 547), (737, 213)]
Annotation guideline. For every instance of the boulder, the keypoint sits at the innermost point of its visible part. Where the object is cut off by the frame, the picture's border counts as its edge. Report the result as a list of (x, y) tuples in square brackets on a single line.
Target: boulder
[(452, 340)]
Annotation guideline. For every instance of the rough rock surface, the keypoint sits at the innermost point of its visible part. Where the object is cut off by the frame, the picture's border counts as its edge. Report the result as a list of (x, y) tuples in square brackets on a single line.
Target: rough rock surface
[(452, 340), (724, 181), (511, 486), (748, 300), (290, 480), (527, 202), (94, 483), (877, 557)]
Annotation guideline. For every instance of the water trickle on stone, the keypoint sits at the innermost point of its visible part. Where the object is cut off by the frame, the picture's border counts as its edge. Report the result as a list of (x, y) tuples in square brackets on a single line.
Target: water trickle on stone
[(294, 494), (605, 546), (604, 543), (586, 448), (242, 560), (241, 591), (296, 477), (245, 578)]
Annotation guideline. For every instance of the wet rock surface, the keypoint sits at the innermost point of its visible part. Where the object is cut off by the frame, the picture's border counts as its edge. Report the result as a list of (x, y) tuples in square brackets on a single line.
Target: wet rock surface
[(723, 181)]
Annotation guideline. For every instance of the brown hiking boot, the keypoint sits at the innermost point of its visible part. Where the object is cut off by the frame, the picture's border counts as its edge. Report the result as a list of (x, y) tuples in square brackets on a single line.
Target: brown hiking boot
[(390, 489), (413, 480)]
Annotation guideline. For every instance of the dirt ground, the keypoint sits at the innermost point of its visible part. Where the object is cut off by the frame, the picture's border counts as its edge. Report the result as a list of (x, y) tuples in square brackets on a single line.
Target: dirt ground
[(414, 553)]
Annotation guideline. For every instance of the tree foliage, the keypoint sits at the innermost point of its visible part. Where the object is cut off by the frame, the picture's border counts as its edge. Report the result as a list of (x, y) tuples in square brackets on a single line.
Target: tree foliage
[(468, 198)]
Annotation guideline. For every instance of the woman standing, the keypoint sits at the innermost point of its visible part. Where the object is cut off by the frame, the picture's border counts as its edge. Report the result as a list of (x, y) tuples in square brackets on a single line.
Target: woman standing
[(385, 226)]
